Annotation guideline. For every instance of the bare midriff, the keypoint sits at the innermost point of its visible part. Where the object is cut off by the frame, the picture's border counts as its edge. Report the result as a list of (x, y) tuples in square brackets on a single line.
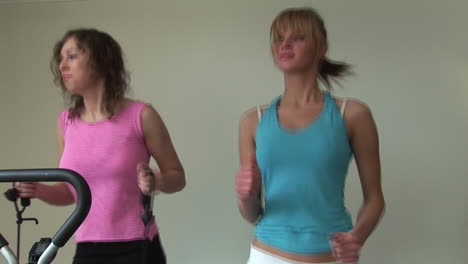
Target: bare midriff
[(316, 258)]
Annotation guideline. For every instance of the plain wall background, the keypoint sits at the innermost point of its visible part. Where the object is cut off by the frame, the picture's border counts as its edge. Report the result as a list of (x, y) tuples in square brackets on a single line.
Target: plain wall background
[(203, 63)]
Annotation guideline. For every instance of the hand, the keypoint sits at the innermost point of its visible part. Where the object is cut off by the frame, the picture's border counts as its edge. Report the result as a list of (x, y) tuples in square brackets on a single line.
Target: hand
[(146, 178), (248, 180), (346, 247), (26, 189)]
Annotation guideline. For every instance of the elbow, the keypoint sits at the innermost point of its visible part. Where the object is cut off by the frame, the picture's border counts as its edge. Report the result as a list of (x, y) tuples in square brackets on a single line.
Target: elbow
[(381, 202), (377, 202), (179, 184), (252, 219), (69, 201), (66, 203), (384, 206), (182, 183)]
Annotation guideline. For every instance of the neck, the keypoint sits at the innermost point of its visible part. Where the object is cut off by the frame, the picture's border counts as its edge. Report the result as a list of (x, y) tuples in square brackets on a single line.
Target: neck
[(301, 89), (93, 101)]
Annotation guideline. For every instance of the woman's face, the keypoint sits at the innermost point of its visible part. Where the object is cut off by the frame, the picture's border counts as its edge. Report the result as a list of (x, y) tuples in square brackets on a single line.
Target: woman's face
[(294, 52), (75, 68)]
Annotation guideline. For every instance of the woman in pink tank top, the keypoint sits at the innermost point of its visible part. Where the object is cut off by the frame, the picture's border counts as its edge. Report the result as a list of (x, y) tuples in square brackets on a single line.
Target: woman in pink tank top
[(109, 140)]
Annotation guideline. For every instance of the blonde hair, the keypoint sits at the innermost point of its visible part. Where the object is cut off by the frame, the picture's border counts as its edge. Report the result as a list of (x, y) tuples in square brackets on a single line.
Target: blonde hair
[(307, 21)]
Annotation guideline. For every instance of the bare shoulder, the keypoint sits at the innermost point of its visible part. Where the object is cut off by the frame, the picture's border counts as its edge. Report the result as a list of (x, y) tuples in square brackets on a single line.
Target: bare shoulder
[(248, 121), (253, 115), (356, 113), (357, 109), (151, 121), (351, 103), (358, 118), (149, 112), (250, 118)]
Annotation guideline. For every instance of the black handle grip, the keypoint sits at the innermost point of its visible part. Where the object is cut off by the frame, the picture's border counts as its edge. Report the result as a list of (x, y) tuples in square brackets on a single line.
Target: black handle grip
[(12, 196), (57, 175), (147, 210), (25, 202)]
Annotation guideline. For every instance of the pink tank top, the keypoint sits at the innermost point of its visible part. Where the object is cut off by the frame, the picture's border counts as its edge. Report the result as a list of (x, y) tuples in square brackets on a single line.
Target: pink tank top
[(106, 154)]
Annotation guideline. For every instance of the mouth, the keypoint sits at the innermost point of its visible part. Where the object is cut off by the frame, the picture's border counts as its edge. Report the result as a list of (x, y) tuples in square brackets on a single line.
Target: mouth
[(66, 77), (286, 56)]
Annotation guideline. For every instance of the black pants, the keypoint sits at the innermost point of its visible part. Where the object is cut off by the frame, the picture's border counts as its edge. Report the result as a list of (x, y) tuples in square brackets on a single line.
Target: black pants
[(131, 252)]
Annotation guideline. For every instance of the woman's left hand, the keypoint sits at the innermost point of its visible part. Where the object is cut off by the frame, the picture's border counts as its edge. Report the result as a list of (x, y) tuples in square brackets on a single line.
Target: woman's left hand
[(146, 178), (346, 247)]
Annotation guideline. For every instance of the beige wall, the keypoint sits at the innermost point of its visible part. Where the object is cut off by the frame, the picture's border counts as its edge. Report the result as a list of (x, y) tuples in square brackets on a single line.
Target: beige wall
[(202, 63)]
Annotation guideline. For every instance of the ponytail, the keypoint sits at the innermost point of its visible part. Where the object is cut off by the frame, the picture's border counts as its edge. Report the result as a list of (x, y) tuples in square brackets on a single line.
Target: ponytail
[(332, 71)]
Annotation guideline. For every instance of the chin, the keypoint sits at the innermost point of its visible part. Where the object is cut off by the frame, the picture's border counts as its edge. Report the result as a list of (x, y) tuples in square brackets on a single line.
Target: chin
[(294, 68), (291, 70), (287, 65), (72, 90)]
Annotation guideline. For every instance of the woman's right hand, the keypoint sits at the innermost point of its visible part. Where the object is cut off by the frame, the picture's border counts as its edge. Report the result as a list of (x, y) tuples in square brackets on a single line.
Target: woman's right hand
[(27, 189), (248, 180)]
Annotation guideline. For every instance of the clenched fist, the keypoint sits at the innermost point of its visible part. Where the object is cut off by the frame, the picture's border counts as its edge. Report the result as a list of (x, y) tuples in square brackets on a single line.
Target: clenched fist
[(248, 180), (146, 178)]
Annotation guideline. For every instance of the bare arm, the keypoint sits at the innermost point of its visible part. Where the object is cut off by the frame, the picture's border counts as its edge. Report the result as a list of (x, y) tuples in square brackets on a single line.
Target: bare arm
[(56, 194), (171, 176), (365, 144), (248, 179)]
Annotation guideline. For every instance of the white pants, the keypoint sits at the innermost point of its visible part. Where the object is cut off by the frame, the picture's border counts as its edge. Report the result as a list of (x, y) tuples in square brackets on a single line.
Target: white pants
[(258, 256)]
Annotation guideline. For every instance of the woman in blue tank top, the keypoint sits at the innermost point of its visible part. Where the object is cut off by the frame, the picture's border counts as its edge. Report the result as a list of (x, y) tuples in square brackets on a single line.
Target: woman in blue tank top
[(295, 153)]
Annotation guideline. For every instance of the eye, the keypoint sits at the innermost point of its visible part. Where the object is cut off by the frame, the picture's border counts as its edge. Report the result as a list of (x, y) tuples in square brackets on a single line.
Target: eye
[(71, 56), (299, 38), (279, 39)]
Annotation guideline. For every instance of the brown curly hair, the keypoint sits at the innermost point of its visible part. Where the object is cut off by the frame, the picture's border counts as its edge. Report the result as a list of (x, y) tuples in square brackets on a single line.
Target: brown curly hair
[(105, 59)]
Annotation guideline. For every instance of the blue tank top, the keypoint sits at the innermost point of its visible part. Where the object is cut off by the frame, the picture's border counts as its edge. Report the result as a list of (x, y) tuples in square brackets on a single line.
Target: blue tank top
[(303, 174)]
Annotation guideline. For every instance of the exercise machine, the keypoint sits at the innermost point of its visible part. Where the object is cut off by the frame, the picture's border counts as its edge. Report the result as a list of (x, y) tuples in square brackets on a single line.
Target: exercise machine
[(44, 251)]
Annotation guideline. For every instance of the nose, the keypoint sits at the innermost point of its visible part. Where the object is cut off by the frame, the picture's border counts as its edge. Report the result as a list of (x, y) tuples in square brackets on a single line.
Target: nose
[(63, 66), (285, 44)]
